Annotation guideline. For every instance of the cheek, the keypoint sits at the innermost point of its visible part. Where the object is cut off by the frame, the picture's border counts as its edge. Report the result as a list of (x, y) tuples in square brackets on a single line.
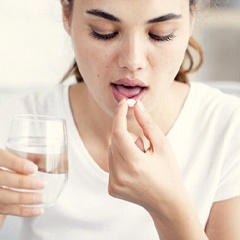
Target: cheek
[(91, 53), (175, 55), (88, 59), (168, 61)]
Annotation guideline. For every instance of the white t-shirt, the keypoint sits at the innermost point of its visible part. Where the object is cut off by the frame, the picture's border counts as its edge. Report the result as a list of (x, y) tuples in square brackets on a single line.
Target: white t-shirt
[(205, 139)]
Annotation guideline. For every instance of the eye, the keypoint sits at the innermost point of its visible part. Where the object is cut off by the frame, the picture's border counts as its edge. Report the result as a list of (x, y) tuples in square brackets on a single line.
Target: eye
[(108, 36), (162, 38)]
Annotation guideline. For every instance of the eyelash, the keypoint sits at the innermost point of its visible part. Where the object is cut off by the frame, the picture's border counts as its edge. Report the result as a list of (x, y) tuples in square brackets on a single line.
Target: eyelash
[(114, 34), (162, 38), (104, 36)]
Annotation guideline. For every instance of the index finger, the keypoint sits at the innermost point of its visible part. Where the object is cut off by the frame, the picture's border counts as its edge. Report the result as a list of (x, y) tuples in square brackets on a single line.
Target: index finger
[(120, 135), (122, 139), (120, 118), (13, 162)]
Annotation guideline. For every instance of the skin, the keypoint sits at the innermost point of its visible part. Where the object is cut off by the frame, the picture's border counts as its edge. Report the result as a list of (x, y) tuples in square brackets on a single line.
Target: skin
[(132, 54), (126, 57), (131, 143)]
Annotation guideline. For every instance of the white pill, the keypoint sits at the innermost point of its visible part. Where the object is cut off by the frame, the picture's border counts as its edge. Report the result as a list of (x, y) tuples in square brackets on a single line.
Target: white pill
[(131, 102)]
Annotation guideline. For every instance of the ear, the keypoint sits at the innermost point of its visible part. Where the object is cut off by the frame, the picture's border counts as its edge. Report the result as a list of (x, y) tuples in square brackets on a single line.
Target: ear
[(65, 16)]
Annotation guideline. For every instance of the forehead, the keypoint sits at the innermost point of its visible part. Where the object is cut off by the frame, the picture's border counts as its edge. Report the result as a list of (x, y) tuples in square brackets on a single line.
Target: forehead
[(134, 9)]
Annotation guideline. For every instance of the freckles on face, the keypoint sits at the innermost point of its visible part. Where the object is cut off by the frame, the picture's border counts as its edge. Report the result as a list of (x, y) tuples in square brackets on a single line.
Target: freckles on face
[(106, 47)]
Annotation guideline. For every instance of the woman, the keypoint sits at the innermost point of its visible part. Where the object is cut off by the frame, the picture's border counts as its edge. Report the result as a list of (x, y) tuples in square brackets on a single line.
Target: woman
[(167, 168)]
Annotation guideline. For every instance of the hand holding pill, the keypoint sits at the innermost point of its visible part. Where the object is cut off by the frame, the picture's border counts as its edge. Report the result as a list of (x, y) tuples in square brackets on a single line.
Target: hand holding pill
[(134, 172)]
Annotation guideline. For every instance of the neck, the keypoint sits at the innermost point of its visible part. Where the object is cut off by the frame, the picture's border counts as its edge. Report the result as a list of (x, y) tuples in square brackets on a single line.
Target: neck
[(89, 118), (95, 126)]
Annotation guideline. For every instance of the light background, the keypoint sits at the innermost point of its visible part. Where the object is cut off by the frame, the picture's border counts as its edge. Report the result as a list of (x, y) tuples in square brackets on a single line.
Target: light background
[(35, 52)]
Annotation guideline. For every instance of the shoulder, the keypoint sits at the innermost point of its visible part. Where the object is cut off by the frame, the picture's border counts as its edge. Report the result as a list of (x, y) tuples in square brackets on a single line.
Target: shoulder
[(210, 114), (45, 102), (208, 94), (48, 102), (28, 98), (210, 101), (39, 96)]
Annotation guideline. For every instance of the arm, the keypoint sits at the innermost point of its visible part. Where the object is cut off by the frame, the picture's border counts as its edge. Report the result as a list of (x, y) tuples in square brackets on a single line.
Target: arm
[(224, 220), (182, 223)]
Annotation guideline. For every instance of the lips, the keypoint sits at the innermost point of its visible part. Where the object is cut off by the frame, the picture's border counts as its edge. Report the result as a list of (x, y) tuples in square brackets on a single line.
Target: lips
[(127, 89), (128, 92)]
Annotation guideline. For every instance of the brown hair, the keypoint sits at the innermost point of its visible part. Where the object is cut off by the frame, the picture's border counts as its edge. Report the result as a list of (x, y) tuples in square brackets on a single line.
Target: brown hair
[(189, 64)]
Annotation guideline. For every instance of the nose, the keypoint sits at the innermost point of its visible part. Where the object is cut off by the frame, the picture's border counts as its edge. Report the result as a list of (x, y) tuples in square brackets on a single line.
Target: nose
[(132, 53)]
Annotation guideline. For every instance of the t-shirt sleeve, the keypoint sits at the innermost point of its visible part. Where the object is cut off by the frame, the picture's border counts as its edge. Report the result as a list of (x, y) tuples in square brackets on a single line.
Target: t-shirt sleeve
[(229, 184)]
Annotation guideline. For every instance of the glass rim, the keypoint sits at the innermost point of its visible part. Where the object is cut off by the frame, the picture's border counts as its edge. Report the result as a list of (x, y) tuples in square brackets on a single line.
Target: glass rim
[(38, 117)]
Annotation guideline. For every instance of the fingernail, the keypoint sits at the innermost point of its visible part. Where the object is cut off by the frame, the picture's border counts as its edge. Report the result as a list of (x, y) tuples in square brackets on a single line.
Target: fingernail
[(30, 168), (37, 211), (140, 106), (122, 101)]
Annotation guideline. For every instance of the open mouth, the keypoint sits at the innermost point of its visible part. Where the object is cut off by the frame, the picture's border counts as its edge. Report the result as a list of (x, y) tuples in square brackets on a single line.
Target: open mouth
[(121, 91)]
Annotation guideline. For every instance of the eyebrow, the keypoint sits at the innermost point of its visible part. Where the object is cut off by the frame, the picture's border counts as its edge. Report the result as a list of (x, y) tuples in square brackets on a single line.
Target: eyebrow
[(164, 18), (105, 15), (110, 17)]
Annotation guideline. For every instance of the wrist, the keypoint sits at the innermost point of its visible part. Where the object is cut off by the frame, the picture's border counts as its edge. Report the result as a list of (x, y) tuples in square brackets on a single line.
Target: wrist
[(178, 220)]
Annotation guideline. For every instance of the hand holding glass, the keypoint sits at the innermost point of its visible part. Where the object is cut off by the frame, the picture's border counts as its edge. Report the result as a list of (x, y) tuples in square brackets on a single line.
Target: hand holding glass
[(42, 140)]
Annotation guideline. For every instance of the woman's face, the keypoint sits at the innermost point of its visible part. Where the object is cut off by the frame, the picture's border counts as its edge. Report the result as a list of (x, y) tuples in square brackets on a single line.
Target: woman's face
[(129, 48)]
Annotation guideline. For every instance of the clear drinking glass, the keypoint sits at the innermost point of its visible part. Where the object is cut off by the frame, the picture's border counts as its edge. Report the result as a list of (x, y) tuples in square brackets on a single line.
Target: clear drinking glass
[(42, 140)]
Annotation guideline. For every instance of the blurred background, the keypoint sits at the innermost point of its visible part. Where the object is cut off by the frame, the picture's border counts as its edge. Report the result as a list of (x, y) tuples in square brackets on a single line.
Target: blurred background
[(218, 31), (35, 52)]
